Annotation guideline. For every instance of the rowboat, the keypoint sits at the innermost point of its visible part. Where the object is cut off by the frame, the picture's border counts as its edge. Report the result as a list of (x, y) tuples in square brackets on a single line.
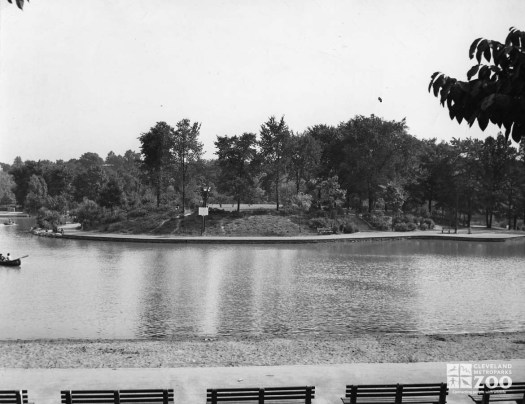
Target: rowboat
[(12, 263)]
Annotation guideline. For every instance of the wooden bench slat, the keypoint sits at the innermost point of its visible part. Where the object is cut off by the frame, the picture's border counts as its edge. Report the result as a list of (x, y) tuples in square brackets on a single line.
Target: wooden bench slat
[(253, 394), (13, 396), (144, 396), (422, 393)]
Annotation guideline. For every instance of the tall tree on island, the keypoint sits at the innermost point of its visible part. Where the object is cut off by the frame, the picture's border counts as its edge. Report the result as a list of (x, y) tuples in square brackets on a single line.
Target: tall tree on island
[(236, 159), (274, 142), (187, 150), (156, 153)]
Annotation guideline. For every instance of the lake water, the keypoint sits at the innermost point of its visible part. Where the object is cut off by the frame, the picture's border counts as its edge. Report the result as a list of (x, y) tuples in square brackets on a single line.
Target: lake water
[(87, 289)]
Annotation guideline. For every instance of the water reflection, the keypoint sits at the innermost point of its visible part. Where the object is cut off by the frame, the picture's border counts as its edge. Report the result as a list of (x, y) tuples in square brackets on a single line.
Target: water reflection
[(75, 289)]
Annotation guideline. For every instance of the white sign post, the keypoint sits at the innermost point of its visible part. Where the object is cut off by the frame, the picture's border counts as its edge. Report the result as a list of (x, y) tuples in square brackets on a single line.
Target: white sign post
[(203, 212)]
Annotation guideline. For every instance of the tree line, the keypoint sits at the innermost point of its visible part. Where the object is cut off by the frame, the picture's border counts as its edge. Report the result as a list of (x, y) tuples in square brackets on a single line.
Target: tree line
[(366, 164)]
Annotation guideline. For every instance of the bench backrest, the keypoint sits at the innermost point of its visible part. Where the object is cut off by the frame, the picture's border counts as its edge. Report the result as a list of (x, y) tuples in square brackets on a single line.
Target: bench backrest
[(117, 396), (13, 396), (303, 394), (394, 393)]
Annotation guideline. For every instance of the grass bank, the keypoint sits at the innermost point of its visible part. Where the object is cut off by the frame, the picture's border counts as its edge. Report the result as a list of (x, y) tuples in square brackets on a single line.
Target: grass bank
[(227, 223)]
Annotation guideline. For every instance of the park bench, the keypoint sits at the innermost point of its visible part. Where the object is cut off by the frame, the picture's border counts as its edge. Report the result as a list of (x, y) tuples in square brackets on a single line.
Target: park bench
[(516, 392), (396, 394), (13, 396), (325, 230), (117, 396), (302, 394)]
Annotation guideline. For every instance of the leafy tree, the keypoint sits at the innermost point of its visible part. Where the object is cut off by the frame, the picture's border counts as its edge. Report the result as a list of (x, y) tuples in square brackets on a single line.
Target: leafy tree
[(329, 193), (156, 153), (7, 185), (59, 178), (127, 169), (89, 159), (467, 178), (22, 172), (237, 160), (111, 194), (89, 182), (274, 144), (37, 195), (87, 213), (187, 150), (494, 91), (328, 138), (305, 156), (373, 152), (48, 219), (496, 157)]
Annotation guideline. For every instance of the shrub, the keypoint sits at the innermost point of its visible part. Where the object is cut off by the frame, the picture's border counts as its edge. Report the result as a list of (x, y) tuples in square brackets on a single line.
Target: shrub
[(429, 222), (48, 219), (87, 212), (112, 216), (379, 222), (423, 226), (400, 227), (349, 228), (317, 222), (411, 226)]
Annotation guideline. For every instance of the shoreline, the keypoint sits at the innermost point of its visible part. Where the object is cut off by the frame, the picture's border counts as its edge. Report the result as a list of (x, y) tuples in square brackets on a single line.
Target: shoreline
[(261, 351), (72, 233)]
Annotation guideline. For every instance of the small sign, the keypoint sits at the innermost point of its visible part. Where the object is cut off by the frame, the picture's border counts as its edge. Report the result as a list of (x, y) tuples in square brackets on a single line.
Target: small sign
[(203, 211)]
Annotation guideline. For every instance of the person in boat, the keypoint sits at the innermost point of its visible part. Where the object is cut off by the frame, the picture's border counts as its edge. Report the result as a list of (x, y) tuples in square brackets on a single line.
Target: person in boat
[(2, 258), (8, 258)]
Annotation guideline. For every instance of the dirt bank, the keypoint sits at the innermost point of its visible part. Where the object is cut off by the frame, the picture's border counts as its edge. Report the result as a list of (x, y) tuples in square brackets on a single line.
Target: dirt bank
[(370, 348)]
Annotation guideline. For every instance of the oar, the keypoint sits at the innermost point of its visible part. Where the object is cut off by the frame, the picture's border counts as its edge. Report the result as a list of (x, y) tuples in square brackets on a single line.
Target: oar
[(24, 256)]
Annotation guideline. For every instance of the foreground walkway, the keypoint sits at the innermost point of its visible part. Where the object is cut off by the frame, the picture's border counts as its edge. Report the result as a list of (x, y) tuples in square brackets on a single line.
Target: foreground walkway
[(190, 384), (71, 232)]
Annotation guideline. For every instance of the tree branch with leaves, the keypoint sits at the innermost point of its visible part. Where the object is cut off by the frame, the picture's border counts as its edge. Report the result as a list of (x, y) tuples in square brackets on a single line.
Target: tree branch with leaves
[(495, 90)]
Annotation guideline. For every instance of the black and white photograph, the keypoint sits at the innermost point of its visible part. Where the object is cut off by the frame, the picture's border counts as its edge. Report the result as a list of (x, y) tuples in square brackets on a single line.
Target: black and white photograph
[(262, 201)]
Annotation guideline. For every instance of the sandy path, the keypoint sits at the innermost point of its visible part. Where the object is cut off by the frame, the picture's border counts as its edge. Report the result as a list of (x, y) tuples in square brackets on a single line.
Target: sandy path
[(370, 348)]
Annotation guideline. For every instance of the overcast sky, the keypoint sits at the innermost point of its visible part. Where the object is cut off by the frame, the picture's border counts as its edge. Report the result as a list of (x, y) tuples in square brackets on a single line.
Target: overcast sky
[(92, 75)]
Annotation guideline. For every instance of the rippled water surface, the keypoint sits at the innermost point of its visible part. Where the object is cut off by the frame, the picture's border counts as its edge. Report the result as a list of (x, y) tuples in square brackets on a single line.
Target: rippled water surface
[(80, 289)]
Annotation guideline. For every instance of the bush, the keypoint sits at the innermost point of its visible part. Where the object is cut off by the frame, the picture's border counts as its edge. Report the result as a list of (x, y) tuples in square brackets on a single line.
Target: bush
[(423, 226), (112, 216), (379, 222), (317, 222), (429, 222), (411, 226), (49, 219), (87, 213), (401, 227), (349, 228)]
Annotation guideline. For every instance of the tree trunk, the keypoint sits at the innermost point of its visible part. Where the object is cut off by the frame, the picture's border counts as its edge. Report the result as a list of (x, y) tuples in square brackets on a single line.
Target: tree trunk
[(183, 188), (159, 181), (238, 203), (277, 191)]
